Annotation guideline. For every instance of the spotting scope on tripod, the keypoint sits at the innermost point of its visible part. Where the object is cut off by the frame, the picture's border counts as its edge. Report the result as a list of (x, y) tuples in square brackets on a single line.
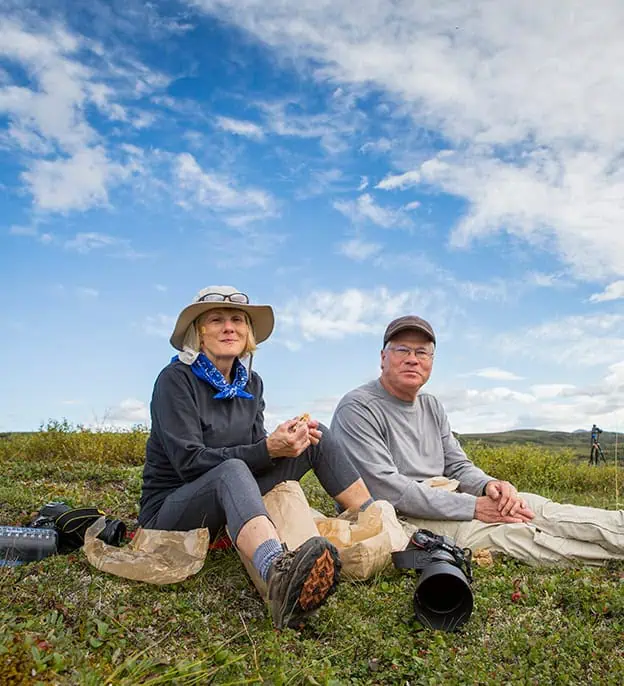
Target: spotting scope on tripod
[(596, 454)]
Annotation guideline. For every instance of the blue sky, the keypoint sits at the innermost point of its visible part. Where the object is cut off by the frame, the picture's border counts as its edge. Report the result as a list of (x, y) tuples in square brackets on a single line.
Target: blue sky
[(344, 162)]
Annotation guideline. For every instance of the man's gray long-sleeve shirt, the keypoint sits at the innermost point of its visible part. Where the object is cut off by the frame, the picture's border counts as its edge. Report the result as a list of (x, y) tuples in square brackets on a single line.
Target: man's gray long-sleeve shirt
[(395, 445)]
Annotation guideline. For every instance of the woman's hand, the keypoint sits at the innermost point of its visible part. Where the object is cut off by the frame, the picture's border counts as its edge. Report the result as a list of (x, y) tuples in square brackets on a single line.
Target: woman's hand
[(290, 439), (313, 431)]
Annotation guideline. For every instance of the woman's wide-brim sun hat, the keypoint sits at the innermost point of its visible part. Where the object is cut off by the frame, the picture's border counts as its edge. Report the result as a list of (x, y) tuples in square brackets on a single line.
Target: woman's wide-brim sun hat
[(216, 297)]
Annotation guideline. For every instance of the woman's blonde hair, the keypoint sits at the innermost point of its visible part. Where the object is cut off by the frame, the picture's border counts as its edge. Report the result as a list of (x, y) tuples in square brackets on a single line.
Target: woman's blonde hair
[(192, 338)]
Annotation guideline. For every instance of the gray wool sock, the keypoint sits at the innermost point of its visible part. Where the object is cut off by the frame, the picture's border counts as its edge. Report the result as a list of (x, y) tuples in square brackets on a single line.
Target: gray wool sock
[(265, 555)]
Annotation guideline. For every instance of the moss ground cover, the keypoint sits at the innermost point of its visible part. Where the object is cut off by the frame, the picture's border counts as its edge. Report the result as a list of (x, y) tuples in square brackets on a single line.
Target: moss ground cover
[(63, 622)]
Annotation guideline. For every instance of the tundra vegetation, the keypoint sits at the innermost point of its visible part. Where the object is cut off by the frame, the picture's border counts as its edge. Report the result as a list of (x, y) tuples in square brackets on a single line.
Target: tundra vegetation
[(63, 622)]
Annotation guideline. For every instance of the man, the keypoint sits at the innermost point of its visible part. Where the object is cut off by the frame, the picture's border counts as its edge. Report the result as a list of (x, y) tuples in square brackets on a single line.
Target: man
[(399, 438)]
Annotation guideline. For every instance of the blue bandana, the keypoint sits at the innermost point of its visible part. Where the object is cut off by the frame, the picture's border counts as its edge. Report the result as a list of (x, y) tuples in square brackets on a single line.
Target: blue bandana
[(205, 370)]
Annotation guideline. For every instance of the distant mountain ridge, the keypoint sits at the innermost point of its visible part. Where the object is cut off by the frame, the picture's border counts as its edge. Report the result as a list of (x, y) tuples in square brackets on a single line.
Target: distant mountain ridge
[(579, 440)]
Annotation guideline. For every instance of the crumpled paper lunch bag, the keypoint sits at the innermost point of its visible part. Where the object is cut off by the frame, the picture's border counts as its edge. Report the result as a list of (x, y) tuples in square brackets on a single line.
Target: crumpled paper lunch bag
[(153, 555), (365, 540)]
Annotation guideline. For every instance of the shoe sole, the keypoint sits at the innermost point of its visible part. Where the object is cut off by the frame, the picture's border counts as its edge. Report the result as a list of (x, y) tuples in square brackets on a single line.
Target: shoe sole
[(315, 577)]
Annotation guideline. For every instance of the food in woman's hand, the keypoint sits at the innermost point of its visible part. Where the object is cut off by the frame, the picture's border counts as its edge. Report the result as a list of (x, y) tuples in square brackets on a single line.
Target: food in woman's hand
[(302, 419)]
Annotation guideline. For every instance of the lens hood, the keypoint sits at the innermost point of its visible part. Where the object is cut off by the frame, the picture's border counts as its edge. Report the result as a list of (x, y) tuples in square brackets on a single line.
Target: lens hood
[(443, 598)]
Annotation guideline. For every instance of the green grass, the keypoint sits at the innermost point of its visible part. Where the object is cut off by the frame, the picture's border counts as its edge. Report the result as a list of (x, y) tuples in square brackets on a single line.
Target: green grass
[(63, 622), (577, 442)]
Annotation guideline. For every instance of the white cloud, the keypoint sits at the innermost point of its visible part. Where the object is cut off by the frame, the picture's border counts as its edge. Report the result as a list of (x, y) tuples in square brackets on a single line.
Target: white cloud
[(553, 406), (244, 244), (496, 374), (333, 128), (358, 250), (160, 325), (52, 114), (160, 287), (401, 181), (128, 413), (543, 280), (614, 291), (240, 127), (461, 400), (366, 209), (74, 183), (380, 146), (86, 242), (49, 114), (325, 181), (570, 205), (519, 89), (412, 206), (550, 390), (336, 315), (85, 292), (575, 340), (117, 247), (220, 193)]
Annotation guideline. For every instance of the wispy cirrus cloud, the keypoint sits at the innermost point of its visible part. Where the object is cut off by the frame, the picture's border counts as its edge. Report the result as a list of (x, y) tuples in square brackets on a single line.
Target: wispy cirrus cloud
[(219, 193), (87, 292), (399, 181), (496, 374), (160, 325), (580, 340), (68, 84), (324, 314), (333, 127), (504, 87), (358, 249), (86, 242), (247, 129), (614, 291), (365, 209), (551, 390), (129, 412), (72, 183)]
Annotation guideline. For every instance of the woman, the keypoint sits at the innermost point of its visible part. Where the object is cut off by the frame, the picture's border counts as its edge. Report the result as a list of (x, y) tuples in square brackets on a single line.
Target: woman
[(209, 459)]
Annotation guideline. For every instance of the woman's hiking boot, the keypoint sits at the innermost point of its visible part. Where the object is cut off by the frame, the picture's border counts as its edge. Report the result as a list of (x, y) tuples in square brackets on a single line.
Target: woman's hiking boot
[(301, 580)]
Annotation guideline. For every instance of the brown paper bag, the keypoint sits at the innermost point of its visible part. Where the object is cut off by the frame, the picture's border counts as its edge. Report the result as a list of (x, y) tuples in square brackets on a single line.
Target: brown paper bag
[(365, 540), (290, 513), (442, 482), (154, 556)]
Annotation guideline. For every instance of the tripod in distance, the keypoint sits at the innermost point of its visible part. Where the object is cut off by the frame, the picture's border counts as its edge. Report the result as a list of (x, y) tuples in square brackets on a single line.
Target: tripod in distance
[(596, 453)]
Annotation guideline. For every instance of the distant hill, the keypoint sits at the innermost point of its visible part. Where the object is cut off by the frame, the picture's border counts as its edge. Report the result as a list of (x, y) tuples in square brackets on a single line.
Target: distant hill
[(579, 441)]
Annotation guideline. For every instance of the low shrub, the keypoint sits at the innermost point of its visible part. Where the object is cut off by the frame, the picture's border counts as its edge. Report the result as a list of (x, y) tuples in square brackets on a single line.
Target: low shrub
[(538, 470), (62, 442)]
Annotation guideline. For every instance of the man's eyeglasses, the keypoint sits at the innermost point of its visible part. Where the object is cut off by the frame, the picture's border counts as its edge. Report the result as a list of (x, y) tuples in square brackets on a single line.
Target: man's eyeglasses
[(403, 352), (220, 297)]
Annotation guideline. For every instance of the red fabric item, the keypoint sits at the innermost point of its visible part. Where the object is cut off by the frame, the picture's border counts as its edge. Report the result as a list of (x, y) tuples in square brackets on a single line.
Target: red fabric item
[(221, 543)]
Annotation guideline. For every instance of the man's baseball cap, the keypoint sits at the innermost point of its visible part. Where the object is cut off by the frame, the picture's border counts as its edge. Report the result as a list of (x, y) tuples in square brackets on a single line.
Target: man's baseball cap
[(410, 321)]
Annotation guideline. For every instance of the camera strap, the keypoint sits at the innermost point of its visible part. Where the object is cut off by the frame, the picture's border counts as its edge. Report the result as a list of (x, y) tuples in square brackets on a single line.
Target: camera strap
[(71, 525), (421, 548)]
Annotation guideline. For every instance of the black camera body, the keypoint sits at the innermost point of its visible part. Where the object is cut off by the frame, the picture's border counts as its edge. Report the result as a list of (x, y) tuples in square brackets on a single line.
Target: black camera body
[(443, 597), (72, 523)]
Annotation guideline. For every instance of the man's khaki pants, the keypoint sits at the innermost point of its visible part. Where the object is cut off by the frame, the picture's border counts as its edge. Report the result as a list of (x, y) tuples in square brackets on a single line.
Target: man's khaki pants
[(559, 534)]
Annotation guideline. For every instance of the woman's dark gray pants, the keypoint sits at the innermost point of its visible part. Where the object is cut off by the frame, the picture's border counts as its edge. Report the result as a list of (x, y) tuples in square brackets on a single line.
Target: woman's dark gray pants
[(231, 495)]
